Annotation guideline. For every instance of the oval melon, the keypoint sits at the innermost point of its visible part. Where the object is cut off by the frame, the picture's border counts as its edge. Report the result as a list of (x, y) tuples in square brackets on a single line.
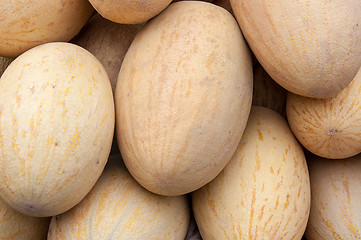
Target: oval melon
[(183, 97), (335, 198), (311, 48), (56, 128), (331, 127), (119, 208), (129, 12), (26, 24), (263, 192)]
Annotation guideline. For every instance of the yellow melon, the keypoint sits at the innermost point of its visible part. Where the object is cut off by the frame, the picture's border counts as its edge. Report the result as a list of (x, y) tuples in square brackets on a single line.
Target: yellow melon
[(26, 24), (183, 97), (310, 48), (119, 208), (335, 198), (129, 12), (331, 127), (56, 128), (263, 192)]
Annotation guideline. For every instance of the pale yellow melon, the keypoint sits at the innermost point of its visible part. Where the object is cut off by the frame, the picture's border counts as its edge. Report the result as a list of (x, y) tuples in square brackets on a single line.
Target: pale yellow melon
[(26, 24), (56, 128), (108, 42), (129, 12), (119, 208), (17, 226), (331, 127), (183, 97), (263, 192), (335, 198), (311, 48)]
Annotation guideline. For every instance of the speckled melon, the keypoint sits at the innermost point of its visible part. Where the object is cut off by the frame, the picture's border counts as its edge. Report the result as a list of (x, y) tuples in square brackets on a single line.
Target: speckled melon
[(311, 48), (119, 208), (26, 24), (129, 12), (56, 128), (330, 127), (263, 192), (335, 198), (183, 97)]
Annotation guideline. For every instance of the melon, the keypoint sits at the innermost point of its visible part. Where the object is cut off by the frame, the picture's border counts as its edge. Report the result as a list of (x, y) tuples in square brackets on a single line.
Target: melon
[(311, 48), (331, 127), (183, 97), (56, 128), (119, 208), (26, 24), (129, 12), (335, 198), (264, 190)]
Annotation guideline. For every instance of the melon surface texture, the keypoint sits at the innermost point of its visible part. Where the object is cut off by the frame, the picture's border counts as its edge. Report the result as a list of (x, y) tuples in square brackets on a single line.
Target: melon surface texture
[(183, 97)]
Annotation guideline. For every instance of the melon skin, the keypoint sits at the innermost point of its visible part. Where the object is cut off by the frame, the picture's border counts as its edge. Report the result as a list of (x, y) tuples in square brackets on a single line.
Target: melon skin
[(264, 190), (329, 128), (17, 226), (119, 208), (183, 97), (56, 128), (310, 48), (335, 198), (26, 24), (129, 12)]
